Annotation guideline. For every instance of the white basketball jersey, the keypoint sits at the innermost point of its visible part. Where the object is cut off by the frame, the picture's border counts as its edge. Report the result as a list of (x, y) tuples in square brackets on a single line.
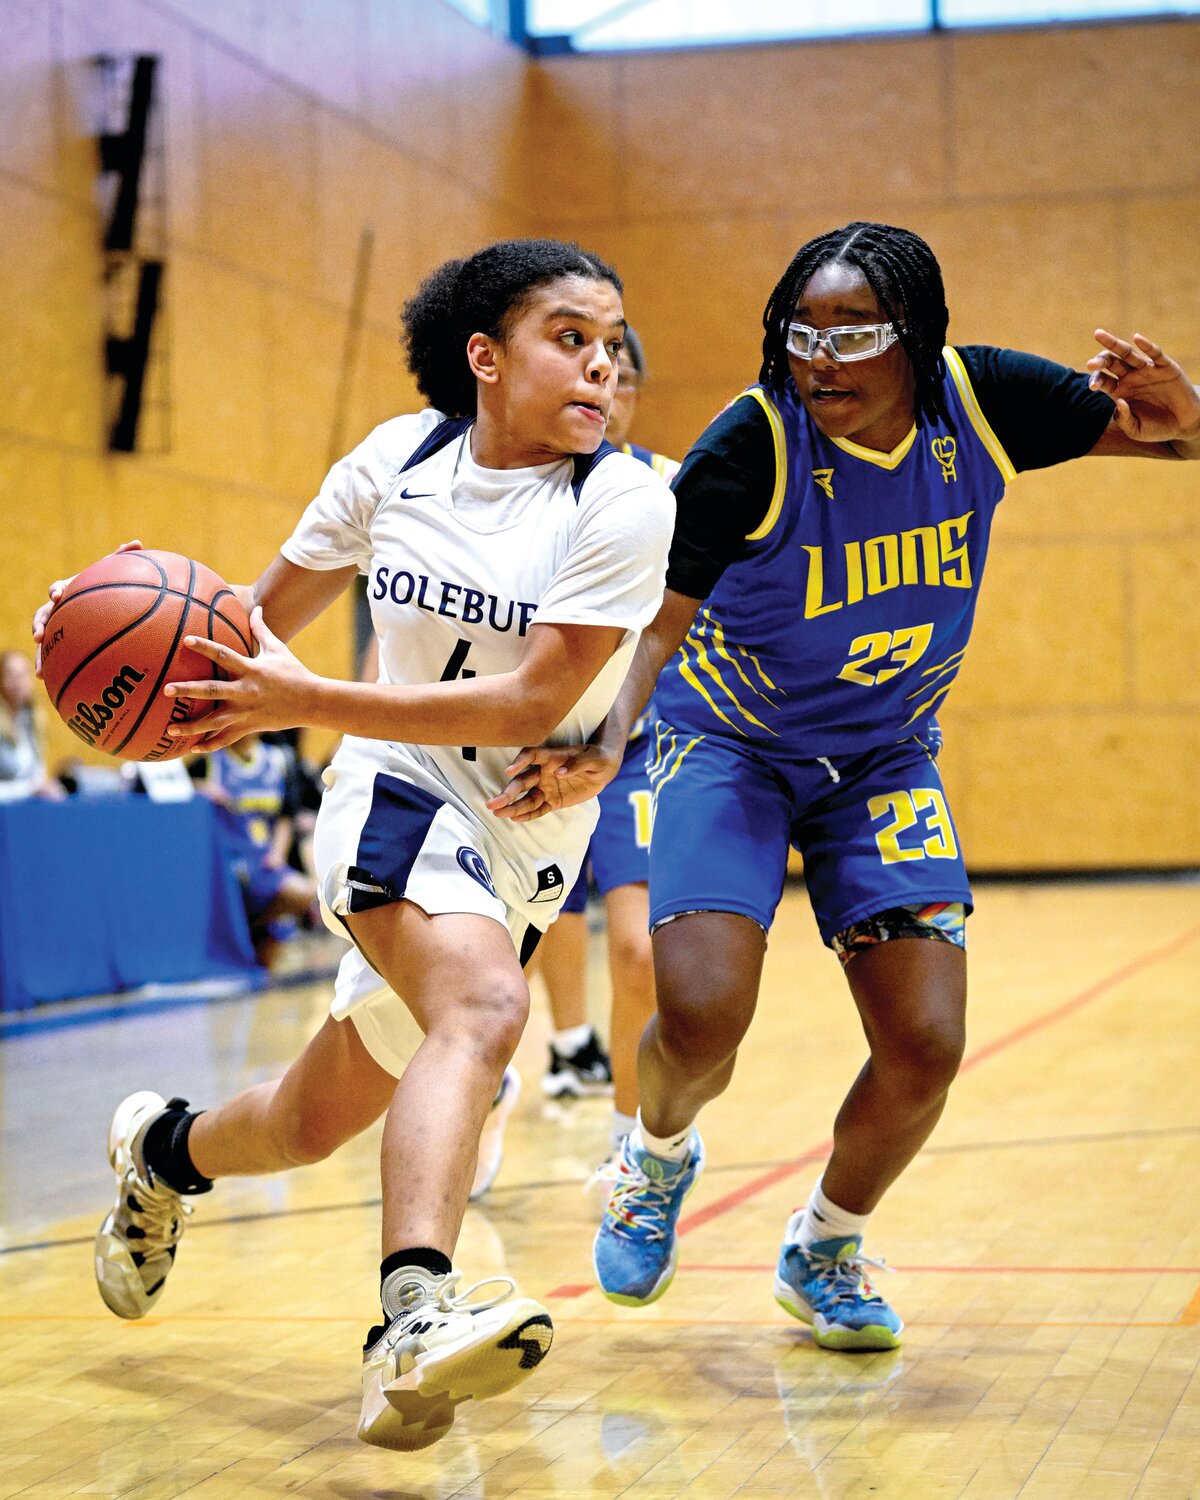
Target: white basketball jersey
[(460, 562)]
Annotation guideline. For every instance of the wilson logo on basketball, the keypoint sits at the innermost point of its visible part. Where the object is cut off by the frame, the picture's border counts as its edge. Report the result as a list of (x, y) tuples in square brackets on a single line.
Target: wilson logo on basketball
[(181, 710), (89, 719)]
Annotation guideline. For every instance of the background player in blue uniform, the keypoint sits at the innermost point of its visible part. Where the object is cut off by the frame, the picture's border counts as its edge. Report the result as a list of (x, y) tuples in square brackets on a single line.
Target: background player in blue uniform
[(619, 864), (248, 781), (832, 529)]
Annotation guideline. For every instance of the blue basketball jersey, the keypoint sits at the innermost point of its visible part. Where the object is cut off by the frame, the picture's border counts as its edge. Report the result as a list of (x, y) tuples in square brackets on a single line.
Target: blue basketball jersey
[(844, 623), (255, 789)]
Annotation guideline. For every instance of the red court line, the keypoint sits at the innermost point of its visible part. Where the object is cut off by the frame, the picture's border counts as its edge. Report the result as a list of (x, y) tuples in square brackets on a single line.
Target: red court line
[(1085, 997), (1189, 1318), (999, 1271)]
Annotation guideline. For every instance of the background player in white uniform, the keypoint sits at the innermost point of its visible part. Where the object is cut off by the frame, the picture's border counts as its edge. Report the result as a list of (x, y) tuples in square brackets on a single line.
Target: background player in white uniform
[(619, 857), (512, 560)]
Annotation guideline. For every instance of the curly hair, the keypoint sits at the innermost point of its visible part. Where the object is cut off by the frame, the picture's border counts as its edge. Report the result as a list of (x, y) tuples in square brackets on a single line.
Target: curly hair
[(481, 294), (907, 281)]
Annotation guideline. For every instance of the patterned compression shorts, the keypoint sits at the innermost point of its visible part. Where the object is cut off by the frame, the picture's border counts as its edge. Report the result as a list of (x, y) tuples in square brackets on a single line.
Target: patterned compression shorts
[(942, 922)]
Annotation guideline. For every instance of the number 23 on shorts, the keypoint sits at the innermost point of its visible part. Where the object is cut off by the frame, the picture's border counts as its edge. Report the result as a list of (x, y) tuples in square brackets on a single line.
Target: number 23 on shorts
[(923, 808)]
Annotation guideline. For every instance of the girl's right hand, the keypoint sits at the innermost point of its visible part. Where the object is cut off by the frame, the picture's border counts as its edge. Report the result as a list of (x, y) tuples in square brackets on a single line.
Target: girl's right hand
[(549, 778), (56, 591)]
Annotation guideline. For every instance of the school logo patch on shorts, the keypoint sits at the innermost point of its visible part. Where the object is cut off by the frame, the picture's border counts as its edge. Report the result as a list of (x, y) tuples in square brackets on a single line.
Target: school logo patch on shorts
[(549, 884), (472, 862)]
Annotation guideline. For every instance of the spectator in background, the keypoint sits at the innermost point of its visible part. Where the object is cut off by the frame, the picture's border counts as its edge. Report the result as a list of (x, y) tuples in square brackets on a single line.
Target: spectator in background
[(248, 782), (22, 763), (302, 796)]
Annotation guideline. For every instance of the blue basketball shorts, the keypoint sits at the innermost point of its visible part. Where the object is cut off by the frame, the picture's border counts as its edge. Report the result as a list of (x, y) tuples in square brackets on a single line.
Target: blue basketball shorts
[(874, 831), (619, 853), (260, 885)]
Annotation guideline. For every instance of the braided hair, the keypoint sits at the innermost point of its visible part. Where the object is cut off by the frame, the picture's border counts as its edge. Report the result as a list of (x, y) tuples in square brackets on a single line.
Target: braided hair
[(907, 281), (483, 293)]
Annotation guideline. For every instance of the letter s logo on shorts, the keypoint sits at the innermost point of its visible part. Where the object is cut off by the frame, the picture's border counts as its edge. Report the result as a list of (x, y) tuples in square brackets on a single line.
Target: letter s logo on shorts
[(473, 863), (549, 884)]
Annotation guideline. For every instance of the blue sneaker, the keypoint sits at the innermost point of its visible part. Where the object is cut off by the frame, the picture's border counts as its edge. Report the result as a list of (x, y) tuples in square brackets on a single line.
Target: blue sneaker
[(826, 1284), (635, 1252)]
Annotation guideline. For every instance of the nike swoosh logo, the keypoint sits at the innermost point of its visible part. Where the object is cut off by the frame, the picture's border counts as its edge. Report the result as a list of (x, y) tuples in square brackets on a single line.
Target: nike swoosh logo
[(424, 495)]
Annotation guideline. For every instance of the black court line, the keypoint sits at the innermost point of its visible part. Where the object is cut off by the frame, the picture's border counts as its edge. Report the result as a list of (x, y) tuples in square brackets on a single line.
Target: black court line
[(1106, 1137)]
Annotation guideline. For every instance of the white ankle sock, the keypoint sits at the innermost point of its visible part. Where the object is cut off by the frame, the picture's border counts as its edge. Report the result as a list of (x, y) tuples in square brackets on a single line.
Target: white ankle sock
[(570, 1039), (669, 1147), (822, 1219), (620, 1126)]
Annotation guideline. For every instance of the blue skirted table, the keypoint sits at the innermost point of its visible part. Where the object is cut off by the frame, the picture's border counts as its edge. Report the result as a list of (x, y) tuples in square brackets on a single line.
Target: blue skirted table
[(108, 894)]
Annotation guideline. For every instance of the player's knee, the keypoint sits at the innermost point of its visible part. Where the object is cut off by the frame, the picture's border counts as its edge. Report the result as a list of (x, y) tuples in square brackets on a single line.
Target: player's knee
[(309, 1137), (701, 1031), (632, 961), (492, 1014), (925, 1059)]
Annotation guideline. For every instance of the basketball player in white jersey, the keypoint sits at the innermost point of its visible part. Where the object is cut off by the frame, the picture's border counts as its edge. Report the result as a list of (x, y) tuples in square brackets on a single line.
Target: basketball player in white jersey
[(512, 559)]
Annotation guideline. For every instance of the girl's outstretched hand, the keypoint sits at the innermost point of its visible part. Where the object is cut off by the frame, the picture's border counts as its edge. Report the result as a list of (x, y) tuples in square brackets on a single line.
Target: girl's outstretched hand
[(1156, 402), (549, 778)]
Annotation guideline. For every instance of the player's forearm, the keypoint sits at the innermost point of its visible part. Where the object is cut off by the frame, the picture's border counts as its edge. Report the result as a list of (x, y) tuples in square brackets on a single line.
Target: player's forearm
[(292, 597), (498, 710)]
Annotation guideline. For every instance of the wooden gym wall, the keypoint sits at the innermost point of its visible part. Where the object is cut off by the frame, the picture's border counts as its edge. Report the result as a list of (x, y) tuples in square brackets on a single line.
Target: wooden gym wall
[(1054, 172)]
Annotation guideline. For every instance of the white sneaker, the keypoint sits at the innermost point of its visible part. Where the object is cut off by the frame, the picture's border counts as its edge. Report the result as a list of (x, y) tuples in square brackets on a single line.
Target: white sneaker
[(135, 1246), (491, 1142), (584, 1072), (439, 1351)]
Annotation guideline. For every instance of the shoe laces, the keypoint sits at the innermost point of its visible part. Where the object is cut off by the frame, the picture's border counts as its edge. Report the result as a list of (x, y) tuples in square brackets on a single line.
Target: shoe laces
[(446, 1299), (443, 1298), (160, 1210), (638, 1206), (846, 1277)]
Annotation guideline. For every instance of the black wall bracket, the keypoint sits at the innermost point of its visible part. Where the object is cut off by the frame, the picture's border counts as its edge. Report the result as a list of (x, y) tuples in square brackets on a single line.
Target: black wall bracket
[(133, 205)]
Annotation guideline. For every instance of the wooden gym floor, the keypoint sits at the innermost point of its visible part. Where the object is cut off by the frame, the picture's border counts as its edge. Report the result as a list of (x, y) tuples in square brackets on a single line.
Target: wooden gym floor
[(1047, 1244)]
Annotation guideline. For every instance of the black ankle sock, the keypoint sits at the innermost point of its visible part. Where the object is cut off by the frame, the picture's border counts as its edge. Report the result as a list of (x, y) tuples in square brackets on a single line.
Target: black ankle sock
[(165, 1149), (432, 1261)]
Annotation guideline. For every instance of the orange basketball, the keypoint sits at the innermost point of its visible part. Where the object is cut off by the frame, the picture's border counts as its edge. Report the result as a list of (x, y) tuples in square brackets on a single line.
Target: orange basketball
[(114, 641)]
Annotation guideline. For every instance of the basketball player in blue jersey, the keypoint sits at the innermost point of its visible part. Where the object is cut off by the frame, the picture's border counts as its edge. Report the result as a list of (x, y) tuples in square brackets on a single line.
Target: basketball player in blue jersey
[(832, 528), (248, 782)]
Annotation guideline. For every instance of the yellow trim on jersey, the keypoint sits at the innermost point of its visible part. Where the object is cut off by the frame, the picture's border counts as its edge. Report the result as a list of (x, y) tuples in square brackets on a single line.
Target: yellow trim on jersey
[(687, 749), (780, 440), (757, 665), (929, 702), (951, 664), (696, 642), (718, 640), (662, 753), (872, 455), (685, 671), (978, 421), (666, 468), (954, 659), (659, 736)]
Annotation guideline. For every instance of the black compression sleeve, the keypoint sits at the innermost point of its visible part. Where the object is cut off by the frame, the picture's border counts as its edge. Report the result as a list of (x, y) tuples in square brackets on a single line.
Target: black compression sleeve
[(1043, 413), (722, 493)]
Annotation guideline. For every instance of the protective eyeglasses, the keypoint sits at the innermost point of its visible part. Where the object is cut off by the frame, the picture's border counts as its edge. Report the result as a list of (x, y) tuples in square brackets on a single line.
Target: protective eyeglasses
[(857, 341)]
